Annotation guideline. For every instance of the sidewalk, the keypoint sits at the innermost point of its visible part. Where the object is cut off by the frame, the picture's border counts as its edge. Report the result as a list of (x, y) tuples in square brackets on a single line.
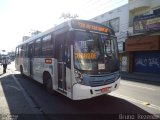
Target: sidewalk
[(142, 77), (13, 103)]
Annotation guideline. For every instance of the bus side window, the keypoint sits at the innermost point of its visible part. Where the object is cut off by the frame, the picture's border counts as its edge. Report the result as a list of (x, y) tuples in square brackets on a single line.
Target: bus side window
[(47, 46), (37, 51), (17, 52), (60, 41), (30, 50), (68, 56), (25, 50), (21, 51), (63, 50)]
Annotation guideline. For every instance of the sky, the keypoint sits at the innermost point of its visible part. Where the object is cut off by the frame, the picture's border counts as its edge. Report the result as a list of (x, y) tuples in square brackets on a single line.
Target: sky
[(19, 18)]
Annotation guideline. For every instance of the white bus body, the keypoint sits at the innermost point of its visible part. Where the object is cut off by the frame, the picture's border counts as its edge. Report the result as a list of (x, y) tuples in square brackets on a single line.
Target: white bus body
[(54, 59)]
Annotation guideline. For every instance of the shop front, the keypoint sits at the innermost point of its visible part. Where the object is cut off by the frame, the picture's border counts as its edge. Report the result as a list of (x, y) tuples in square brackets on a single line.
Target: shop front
[(143, 54), (147, 62)]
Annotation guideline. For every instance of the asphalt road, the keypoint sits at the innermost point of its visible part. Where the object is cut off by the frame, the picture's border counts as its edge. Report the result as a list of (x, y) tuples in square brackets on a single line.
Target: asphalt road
[(132, 100), (145, 96)]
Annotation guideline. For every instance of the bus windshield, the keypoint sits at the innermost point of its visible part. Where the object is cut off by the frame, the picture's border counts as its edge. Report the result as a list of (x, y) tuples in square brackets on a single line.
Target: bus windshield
[(95, 52)]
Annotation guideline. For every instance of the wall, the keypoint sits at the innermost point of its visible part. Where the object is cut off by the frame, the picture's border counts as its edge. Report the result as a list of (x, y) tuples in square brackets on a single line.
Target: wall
[(154, 3), (123, 15), (143, 43), (141, 7)]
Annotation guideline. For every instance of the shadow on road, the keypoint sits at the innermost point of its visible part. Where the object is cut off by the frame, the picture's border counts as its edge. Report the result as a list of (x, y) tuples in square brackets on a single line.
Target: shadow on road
[(14, 106), (105, 104), (56, 106)]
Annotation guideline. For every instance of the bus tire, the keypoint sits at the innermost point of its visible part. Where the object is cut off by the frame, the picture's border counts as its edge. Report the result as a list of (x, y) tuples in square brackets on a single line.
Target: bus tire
[(21, 70), (47, 80)]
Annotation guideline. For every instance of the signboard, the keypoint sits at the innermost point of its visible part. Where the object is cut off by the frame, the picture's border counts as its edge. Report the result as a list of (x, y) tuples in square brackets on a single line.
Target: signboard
[(142, 43), (90, 26), (147, 62), (85, 55), (149, 23), (48, 61)]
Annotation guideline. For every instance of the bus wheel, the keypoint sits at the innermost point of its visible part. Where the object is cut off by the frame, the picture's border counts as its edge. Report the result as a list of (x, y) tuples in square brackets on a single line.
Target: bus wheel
[(48, 82), (21, 70)]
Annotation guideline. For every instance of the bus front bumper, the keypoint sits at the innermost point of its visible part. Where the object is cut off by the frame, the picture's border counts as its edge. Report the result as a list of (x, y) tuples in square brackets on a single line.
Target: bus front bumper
[(85, 92)]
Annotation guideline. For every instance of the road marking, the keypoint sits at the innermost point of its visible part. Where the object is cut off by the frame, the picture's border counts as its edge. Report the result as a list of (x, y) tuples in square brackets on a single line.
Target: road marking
[(146, 103), (137, 86), (29, 100), (11, 86), (136, 101), (31, 103)]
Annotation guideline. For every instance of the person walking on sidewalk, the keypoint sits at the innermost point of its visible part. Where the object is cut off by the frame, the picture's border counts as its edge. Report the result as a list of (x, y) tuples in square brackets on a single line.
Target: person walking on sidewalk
[(4, 63)]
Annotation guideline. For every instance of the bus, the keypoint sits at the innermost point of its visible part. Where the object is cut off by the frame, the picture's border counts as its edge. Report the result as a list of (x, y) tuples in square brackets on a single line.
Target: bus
[(78, 58)]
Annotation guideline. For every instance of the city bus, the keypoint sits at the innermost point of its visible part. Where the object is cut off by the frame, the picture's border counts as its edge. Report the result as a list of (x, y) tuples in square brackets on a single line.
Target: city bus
[(78, 59)]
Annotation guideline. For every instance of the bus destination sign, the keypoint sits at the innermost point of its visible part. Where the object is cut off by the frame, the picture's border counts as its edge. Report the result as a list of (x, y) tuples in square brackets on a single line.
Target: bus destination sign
[(91, 26)]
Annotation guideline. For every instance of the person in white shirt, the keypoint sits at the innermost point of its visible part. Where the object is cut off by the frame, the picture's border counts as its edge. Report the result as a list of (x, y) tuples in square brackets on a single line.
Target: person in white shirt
[(4, 63)]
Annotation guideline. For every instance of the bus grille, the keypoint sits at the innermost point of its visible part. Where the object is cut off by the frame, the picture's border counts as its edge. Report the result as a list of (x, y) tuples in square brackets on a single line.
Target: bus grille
[(100, 82)]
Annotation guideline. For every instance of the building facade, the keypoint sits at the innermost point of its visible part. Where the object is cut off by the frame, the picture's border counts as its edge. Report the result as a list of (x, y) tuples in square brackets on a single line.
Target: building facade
[(142, 47), (118, 20), (137, 24)]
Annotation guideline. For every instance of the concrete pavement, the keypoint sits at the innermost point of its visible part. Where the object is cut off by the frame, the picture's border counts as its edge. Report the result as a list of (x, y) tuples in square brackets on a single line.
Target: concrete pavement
[(142, 77), (14, 102)]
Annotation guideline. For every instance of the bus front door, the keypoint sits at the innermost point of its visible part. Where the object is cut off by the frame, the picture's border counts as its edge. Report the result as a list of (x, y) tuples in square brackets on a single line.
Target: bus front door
[(61, 67), (30, 55)]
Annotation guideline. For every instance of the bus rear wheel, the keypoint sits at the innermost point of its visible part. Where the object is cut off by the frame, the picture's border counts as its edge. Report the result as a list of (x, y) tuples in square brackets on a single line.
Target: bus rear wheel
[(48, 82), (21, 70)]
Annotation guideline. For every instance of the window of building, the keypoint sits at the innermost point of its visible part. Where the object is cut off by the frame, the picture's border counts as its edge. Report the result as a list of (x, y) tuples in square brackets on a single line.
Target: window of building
[(114, 24), (156, 10)]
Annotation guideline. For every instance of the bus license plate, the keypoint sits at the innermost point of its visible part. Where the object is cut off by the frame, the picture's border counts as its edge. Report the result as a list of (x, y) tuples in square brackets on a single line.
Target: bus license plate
[(103, 90)]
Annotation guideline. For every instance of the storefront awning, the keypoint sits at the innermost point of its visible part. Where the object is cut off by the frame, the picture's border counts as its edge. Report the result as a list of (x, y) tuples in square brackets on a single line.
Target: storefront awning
[(143, 43)]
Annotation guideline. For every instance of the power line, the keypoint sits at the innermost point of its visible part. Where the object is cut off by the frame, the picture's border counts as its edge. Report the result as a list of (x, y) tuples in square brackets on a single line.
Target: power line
[(112, 4), (96, 4), (117, 4), (100, 9)]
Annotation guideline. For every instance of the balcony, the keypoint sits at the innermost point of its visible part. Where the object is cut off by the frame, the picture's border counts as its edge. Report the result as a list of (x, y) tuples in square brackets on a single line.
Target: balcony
[(136, 5)]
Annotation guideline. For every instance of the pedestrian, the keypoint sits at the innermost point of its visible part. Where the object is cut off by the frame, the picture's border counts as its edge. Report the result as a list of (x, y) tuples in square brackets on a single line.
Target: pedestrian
[(4, 63)]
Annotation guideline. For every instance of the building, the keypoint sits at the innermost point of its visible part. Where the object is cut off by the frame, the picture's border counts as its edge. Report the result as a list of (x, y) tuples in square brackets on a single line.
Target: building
[(118, 20), (142, 48), (137, 24)]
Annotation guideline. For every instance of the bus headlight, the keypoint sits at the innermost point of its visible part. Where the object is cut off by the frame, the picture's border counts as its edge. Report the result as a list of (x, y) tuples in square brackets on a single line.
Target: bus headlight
[(78, 76)]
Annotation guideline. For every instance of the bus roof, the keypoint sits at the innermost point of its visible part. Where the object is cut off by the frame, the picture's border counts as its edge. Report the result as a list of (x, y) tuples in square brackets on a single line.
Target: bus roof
[(76, 24)]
